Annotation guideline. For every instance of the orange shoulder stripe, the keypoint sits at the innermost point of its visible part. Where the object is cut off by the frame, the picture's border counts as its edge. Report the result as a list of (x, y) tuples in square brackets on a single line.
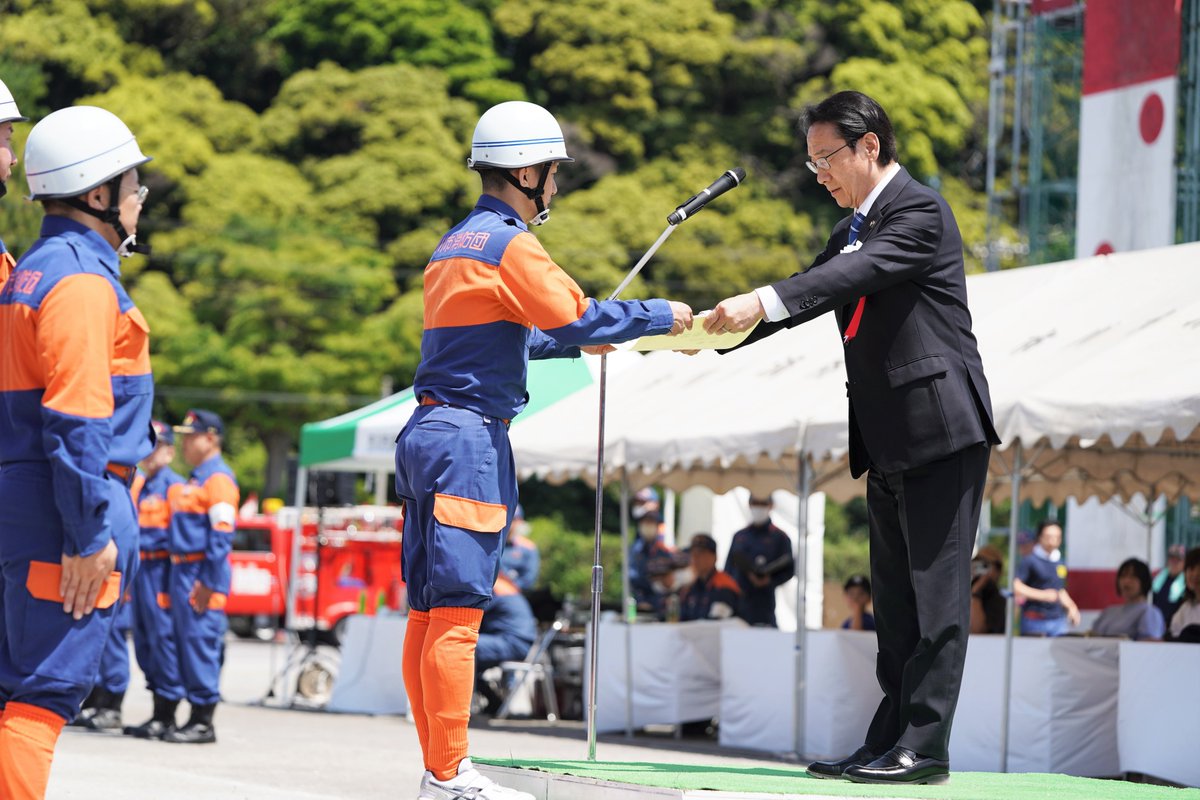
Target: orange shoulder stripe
[(220, 488), (723, 580), (537, 289), (76, 327)]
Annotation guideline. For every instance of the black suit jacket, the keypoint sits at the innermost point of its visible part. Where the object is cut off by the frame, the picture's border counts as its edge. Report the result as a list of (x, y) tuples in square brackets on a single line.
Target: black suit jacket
[(915, 379)]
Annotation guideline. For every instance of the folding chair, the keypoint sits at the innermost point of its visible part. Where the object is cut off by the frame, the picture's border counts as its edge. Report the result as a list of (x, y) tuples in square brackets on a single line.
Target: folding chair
[(536, 665)]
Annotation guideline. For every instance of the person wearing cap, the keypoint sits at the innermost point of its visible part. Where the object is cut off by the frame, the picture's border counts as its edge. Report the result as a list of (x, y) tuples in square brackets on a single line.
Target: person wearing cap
[(521, 561), (645, 500), (494, 299), (203, 516), (154, 641), (713, 594), (857, 591), (1169, 584), (760, 560), (75, 398), (652, 564), (9, 113)]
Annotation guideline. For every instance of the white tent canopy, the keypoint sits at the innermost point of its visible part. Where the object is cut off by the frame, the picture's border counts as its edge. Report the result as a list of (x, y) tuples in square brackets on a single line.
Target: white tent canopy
[(1094, 366)]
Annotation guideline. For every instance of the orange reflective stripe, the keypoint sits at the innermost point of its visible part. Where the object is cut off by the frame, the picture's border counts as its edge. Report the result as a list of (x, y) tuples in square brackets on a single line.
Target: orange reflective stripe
[(164, 600), (76, 327), (474, 515), (45, 578), (537, 289)]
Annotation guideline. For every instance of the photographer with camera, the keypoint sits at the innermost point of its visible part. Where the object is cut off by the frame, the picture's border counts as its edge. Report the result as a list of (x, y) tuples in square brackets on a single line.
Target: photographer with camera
[(987, 602)]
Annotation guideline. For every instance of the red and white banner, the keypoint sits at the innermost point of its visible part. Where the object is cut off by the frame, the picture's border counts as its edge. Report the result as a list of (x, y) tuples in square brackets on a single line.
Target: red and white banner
[(1127, 126)]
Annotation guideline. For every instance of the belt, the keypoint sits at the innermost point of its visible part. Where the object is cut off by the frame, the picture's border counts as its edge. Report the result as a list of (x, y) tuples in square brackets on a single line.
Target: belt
[(154, 555), (121, 472), (426, 400), (187, 558)]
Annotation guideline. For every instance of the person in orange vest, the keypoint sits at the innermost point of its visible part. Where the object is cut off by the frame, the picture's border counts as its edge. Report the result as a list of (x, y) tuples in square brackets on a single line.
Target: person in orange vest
[(75, 397), (9, 113), (203, 516)]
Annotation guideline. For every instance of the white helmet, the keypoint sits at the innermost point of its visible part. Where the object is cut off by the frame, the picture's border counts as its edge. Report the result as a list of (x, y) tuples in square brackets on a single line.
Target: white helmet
[(74, 150), (8, 106), (516, 134)]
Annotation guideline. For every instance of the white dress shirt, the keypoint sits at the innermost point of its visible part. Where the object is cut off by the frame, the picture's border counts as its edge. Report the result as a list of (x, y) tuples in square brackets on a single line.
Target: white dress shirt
[(772, 304)]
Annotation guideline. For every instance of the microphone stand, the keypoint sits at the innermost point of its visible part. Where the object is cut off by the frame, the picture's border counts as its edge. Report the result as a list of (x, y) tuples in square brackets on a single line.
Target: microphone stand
[(597, 566)]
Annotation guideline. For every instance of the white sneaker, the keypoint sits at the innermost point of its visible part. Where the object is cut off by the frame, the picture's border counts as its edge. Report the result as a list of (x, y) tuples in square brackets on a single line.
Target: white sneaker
[(468, 784)]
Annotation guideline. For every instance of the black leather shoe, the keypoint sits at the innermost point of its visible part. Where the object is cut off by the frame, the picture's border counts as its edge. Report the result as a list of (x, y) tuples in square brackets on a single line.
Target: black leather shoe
[(834, 769), (150, 729), (901, 765)]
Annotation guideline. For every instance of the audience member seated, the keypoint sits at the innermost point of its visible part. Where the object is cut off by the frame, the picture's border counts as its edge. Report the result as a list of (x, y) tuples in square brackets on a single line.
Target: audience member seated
[(713, 594), (1185, 625), (1040, 581), (506, 633), (988, 607), (1135, 617), (1168, 586), (857, 591)]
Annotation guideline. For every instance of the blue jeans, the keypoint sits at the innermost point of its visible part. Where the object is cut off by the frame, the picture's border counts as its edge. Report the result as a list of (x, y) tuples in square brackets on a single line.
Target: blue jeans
[(1055, 626)]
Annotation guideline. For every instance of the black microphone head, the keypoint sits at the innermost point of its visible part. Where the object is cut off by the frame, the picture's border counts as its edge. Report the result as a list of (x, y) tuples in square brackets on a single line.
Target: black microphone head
[(738, 174)]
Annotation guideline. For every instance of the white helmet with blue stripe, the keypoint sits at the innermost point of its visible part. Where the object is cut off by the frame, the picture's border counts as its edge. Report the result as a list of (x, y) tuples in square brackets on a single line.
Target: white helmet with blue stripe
[(8, 106), (516, 134)]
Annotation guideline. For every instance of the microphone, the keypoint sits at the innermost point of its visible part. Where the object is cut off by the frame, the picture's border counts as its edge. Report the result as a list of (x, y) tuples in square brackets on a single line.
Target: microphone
[(720, 186)]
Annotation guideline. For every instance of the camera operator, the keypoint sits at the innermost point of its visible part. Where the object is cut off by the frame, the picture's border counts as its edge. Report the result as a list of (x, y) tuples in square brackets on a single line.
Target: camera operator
[(987, 603)]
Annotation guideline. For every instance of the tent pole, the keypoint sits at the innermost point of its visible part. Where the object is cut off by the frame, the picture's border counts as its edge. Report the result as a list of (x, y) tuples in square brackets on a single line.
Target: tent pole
[(626, 599), (1009, 604), (597, 569), (381, 487), (803, 489), (289, 609)]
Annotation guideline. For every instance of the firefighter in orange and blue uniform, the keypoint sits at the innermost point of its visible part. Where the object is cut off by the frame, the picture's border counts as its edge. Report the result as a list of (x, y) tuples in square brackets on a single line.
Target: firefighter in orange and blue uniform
[(9, 113), (75, 397), (493, 300), (203, 515), (713, 594), (154, 642)]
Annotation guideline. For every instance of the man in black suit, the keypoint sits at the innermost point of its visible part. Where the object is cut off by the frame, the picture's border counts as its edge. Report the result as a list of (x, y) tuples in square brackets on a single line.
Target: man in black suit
[(920, 421)]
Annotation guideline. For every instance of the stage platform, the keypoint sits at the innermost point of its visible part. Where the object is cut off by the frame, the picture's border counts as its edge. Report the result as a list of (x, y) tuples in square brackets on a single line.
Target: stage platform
[(582, 780)]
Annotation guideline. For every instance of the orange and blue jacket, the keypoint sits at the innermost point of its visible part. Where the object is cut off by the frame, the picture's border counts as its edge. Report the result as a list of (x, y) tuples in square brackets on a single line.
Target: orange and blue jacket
[(203, 516), (494, 299), (6, 264), (154, 511), (75, 382)]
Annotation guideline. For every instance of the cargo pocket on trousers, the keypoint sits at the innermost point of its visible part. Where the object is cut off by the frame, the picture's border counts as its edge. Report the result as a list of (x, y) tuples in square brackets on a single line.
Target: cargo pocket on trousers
[(467, 537), (52, 643)]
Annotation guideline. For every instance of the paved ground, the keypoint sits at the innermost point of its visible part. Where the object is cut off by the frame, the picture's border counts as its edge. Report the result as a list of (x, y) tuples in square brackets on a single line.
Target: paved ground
[(272, 753)]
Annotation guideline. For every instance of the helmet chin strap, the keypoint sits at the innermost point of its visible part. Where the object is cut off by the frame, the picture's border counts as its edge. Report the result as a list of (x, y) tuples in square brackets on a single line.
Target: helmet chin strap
[(3, 188), (535, 195), (112, 216)]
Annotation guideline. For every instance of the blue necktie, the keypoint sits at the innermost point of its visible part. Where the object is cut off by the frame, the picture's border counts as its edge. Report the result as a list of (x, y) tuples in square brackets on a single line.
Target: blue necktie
[(855, 224)]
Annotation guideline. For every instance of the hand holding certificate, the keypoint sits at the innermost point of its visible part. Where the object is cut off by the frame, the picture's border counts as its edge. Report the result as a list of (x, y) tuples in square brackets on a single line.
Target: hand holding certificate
[(695, 337)]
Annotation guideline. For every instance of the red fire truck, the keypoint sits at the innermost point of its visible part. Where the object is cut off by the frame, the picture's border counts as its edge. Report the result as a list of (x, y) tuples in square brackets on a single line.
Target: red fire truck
[(349, 563)]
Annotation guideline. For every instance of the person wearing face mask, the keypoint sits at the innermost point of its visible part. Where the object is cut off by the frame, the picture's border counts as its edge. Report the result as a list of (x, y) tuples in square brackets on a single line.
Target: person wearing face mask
[(652, 564), (75, 398), (760, 560), (521, 561), (9, 113)]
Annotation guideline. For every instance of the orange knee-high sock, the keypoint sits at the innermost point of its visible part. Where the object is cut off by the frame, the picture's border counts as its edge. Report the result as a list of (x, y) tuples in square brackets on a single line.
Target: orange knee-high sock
[(27, 738), (414, 644), (448, 678)]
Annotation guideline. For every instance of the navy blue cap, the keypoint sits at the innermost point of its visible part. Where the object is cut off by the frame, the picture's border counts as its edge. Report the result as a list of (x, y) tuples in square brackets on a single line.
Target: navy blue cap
[(702, 541), (199, 420), (163, 432)]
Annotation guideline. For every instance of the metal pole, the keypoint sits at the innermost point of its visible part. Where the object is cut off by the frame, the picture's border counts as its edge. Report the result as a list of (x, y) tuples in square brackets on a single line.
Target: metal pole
[(597, 567), (1009, 604), (626, 599), (804, 482)]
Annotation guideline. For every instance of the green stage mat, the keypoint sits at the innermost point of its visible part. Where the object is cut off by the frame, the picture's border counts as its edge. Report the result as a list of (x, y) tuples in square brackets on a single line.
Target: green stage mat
[(785, 779)]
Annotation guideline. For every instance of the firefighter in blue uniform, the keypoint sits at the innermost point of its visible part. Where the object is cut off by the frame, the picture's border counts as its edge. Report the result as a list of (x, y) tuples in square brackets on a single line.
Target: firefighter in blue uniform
[(521, 560), (713, 594), (652, 564), (760, 560), (75, 396), (154, 642), (493, 300), (203, 515)]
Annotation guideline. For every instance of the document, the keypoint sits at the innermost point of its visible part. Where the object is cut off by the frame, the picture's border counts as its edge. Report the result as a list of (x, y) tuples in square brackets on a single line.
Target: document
[(693, 339)]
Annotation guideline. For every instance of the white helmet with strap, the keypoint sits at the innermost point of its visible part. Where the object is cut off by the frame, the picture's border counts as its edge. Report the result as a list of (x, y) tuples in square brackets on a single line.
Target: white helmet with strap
[(74, 150), (519, 134), (8, 106)]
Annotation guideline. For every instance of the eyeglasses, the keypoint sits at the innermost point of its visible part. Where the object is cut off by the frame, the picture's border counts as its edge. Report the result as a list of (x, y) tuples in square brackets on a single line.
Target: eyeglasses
[(823, 161)]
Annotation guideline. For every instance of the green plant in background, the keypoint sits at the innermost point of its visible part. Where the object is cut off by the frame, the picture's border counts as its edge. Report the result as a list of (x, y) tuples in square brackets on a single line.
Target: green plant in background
[(567, 557)]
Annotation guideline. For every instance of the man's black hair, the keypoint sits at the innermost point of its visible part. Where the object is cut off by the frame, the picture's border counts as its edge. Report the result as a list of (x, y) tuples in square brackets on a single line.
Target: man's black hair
[(854, 115)]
